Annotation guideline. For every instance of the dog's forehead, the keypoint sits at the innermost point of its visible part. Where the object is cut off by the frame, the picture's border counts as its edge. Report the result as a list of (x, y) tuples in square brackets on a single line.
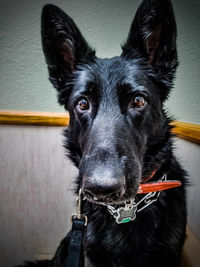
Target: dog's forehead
[(113, 72)]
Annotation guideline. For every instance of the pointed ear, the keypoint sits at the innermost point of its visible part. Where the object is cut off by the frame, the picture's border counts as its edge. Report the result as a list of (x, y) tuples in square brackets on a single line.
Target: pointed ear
[(153, 36), (63, 45)]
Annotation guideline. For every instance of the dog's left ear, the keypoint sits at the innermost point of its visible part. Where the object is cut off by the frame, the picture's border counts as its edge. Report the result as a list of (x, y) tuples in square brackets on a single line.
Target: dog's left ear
[(63, 45), (153, 36)]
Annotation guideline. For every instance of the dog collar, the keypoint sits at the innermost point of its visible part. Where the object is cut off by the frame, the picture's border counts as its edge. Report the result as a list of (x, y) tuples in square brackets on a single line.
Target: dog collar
[(152, 190), (160, 185)]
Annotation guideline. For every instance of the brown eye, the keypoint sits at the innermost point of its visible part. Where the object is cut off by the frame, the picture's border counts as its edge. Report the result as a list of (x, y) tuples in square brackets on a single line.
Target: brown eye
[(83, 104), (138, 102)]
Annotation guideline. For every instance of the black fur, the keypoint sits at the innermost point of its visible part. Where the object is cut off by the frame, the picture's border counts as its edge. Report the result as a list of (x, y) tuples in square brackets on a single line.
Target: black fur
[(114, 142)]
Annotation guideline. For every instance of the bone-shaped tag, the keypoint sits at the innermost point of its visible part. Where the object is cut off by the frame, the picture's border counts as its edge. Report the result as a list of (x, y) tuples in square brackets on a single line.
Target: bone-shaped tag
[(126, 214)]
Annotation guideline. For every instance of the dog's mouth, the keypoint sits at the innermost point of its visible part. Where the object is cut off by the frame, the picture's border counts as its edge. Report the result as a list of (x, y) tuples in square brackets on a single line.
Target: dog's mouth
[(116, 199), (113, 200)]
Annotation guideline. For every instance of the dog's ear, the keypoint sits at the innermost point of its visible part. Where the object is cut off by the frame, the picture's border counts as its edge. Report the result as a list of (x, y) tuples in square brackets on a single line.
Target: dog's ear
[(63, 45), (153, 36)]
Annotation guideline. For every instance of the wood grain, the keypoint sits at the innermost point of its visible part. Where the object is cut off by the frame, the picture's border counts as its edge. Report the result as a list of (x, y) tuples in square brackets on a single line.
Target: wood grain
[(34, 118), (184, 130)]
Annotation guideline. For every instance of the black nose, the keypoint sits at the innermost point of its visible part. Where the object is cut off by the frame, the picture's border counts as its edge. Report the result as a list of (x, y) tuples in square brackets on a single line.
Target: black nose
[(104, 184)]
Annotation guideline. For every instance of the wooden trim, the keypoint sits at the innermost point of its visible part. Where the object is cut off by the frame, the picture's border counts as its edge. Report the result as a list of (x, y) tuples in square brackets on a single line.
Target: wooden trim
[(187, 131), (34, 118), (184, 130)]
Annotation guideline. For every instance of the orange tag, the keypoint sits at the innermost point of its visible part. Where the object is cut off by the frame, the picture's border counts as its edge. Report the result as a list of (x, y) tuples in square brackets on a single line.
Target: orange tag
[(157, 186)]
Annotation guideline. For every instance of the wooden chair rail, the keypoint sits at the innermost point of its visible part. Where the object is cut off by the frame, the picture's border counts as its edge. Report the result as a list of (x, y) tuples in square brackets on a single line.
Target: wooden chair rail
[(33, 118)]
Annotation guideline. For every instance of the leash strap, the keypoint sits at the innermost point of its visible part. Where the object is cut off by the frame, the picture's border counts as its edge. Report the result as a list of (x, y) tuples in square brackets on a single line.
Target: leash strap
[(79, 221), (75, 243)]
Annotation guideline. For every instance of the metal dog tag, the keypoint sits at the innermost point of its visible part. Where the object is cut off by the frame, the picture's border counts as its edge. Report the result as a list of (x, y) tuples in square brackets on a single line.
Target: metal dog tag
[(126, 214)]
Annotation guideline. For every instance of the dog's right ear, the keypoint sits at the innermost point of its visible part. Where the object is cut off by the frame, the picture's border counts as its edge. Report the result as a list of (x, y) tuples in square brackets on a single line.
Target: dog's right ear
[(63, 45), (153, 37)]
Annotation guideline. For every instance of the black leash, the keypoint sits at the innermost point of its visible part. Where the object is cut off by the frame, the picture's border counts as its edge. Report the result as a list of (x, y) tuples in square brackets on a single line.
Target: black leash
[(79, 221)]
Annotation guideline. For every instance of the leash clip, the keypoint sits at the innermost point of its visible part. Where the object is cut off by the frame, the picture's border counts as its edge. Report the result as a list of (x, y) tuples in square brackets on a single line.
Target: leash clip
[(78, 215)]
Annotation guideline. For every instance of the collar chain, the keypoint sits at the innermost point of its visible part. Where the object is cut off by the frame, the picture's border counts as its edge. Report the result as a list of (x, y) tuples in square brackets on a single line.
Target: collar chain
[(128, 212)]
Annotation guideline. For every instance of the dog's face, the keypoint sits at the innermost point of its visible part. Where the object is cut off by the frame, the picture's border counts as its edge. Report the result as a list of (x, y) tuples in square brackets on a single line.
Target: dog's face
[(115, 105)]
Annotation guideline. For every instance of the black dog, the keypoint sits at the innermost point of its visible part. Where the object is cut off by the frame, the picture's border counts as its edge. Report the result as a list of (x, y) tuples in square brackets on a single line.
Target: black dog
[(120, 137)]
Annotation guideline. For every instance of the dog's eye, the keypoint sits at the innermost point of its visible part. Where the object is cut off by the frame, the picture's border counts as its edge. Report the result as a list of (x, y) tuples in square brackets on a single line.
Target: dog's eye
[(138, 102), (83, 104)]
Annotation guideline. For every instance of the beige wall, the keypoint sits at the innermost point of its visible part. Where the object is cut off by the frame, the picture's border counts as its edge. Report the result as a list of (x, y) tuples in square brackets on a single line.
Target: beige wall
[(189, 155), (36, 184)]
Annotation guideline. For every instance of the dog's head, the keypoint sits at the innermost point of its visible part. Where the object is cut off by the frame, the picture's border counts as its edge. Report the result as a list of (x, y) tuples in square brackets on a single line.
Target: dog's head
[(117, 125)]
